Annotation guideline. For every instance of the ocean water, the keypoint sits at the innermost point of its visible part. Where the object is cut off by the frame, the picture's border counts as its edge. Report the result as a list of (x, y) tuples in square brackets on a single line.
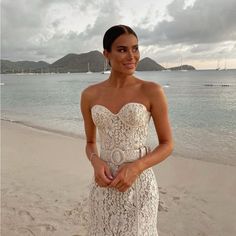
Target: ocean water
[(202, 108)]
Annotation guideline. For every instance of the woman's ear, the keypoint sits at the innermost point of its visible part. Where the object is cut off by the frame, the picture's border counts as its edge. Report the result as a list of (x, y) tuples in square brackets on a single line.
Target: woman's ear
[(105, 53)]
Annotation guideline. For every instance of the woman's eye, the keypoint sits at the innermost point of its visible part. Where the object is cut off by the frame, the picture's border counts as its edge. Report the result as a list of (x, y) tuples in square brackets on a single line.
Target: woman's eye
[(121, 50)]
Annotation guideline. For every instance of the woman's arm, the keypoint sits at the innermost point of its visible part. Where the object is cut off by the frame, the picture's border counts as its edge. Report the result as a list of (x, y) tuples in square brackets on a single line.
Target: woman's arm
[(101, 170), (90, 129), (159, 112), (127, 173)]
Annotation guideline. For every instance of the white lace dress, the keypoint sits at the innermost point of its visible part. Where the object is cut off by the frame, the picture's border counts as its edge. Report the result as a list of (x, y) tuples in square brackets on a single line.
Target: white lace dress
[(134, 212)]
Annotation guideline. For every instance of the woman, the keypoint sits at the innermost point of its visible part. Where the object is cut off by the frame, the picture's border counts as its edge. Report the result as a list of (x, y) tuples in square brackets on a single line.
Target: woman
[(124, 196)]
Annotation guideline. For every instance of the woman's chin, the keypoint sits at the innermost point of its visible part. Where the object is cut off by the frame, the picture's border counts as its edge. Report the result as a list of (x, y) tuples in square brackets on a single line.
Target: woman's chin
[(126, 71), (129, 71)]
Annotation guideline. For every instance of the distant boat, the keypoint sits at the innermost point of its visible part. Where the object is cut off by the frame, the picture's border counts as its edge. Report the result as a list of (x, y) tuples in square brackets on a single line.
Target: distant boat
[(1, 83), (218, 65), (166, 68), (166, 85), (89, 72), (181, 62), (181, 65), (106, 72), (222, 85), (225, 68)]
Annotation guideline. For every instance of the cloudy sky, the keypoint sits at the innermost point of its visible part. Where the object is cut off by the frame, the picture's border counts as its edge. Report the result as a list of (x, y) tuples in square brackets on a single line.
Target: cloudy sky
[(197, 32)]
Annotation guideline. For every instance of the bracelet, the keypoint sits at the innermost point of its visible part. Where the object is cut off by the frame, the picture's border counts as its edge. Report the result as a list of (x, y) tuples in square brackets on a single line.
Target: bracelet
[(92, 155)]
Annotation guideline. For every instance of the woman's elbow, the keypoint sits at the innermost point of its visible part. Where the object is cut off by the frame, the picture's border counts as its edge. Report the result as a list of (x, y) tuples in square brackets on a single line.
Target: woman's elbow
[(171, 147)]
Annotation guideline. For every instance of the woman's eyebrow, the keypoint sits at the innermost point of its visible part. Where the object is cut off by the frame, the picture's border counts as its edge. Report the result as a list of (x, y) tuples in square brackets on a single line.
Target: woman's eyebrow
[(121, 46)]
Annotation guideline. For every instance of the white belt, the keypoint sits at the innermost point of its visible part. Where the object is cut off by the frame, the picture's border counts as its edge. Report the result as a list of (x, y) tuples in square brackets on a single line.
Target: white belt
[(118, 156)]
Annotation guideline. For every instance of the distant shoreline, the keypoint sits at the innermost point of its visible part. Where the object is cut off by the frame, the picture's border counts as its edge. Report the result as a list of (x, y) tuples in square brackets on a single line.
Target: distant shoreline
[(41, 128), (171, 71), (92, 61)]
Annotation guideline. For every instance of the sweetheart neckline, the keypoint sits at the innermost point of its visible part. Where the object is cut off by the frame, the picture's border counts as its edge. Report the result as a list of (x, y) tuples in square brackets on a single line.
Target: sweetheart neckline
[(122, 107)]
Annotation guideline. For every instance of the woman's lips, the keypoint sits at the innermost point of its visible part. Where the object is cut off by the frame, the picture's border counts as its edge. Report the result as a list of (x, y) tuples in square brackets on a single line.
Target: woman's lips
[(129, 65)]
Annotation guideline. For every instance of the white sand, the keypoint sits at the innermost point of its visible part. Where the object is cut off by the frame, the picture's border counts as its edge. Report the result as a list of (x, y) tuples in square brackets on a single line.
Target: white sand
[(45, 178)]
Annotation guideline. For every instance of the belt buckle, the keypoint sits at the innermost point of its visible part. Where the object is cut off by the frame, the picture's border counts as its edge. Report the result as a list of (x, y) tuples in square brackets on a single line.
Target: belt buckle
[(141, 151), (117, 156)]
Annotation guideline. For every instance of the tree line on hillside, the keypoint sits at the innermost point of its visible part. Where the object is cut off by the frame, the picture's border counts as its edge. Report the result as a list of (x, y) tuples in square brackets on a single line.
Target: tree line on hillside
[(73, 63)]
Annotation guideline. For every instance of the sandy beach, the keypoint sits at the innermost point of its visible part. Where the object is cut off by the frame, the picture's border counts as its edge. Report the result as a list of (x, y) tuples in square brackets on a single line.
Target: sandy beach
[(45, 178)]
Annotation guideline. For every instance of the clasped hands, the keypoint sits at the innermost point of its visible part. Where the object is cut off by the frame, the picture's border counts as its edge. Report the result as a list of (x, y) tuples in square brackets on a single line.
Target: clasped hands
[(125, 175)]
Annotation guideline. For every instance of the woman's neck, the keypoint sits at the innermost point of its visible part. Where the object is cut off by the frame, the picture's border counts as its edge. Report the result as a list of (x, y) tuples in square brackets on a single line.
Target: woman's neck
[(118, 80)]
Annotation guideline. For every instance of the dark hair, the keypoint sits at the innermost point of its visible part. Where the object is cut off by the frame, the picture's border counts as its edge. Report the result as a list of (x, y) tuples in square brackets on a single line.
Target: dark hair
[(113, 33)]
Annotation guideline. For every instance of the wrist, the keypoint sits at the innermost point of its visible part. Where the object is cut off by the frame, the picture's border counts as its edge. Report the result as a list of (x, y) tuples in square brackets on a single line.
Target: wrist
[(92, 157), (140, 166)]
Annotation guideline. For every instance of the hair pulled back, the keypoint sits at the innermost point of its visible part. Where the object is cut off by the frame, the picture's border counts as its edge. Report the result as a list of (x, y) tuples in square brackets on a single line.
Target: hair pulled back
[(113, 33)]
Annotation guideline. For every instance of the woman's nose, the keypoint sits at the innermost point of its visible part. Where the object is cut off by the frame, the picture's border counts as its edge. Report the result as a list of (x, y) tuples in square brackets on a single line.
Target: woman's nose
[(130, 54)]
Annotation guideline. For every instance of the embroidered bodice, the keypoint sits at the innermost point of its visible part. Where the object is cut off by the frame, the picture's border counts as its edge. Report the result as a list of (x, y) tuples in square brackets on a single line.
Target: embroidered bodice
[(126, 129)]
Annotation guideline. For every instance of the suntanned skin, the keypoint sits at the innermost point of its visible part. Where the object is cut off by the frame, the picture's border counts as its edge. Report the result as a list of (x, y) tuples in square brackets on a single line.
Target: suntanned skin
[(119, 89)]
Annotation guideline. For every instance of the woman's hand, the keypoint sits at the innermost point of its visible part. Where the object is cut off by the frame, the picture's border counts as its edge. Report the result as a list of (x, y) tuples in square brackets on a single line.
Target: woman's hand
[(126, 175), (102, 173)]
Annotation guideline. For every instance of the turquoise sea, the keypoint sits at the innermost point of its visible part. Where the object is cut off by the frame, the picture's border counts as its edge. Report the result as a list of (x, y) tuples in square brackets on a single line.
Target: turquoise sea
[(202, 107)]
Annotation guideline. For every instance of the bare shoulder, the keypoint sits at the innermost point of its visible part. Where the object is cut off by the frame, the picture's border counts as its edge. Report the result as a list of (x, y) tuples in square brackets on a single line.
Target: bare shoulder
[(154, 93), (151, 88), (92, 88), (88, 95), (91, 91), (151, 85)]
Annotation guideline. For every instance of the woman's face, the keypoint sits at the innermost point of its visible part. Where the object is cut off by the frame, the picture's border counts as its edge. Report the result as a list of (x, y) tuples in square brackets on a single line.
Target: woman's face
[(124, 55)]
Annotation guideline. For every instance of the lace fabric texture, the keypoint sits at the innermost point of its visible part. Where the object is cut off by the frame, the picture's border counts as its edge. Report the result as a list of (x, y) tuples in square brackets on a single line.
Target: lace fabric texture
[(134, 212)]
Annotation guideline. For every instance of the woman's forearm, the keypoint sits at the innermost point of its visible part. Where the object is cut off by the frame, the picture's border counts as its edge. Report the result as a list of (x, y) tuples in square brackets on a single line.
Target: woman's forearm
[(160, 153), (91, 148)]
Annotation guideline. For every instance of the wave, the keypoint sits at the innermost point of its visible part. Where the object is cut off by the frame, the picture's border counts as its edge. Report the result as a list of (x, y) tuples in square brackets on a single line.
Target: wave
[(42, 128)]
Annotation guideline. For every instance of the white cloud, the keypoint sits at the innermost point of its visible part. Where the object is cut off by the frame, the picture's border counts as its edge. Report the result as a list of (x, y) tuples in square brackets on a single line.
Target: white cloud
[(206, 21), (197, 30), (48, 30)]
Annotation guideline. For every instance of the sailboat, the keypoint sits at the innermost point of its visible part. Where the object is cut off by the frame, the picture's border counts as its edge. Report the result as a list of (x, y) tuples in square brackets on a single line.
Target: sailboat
[(166, 68), (89, 72), (181, 64), (105, 71), (225, 67), (218, 65)]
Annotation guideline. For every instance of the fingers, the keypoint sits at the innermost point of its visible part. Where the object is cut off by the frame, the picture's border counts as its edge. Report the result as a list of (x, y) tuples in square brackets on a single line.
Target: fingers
[(108, 173), (102, 180), (120, 184), (100, 183), (115, 182), (102, 174), (121, 187), (103, 177)]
